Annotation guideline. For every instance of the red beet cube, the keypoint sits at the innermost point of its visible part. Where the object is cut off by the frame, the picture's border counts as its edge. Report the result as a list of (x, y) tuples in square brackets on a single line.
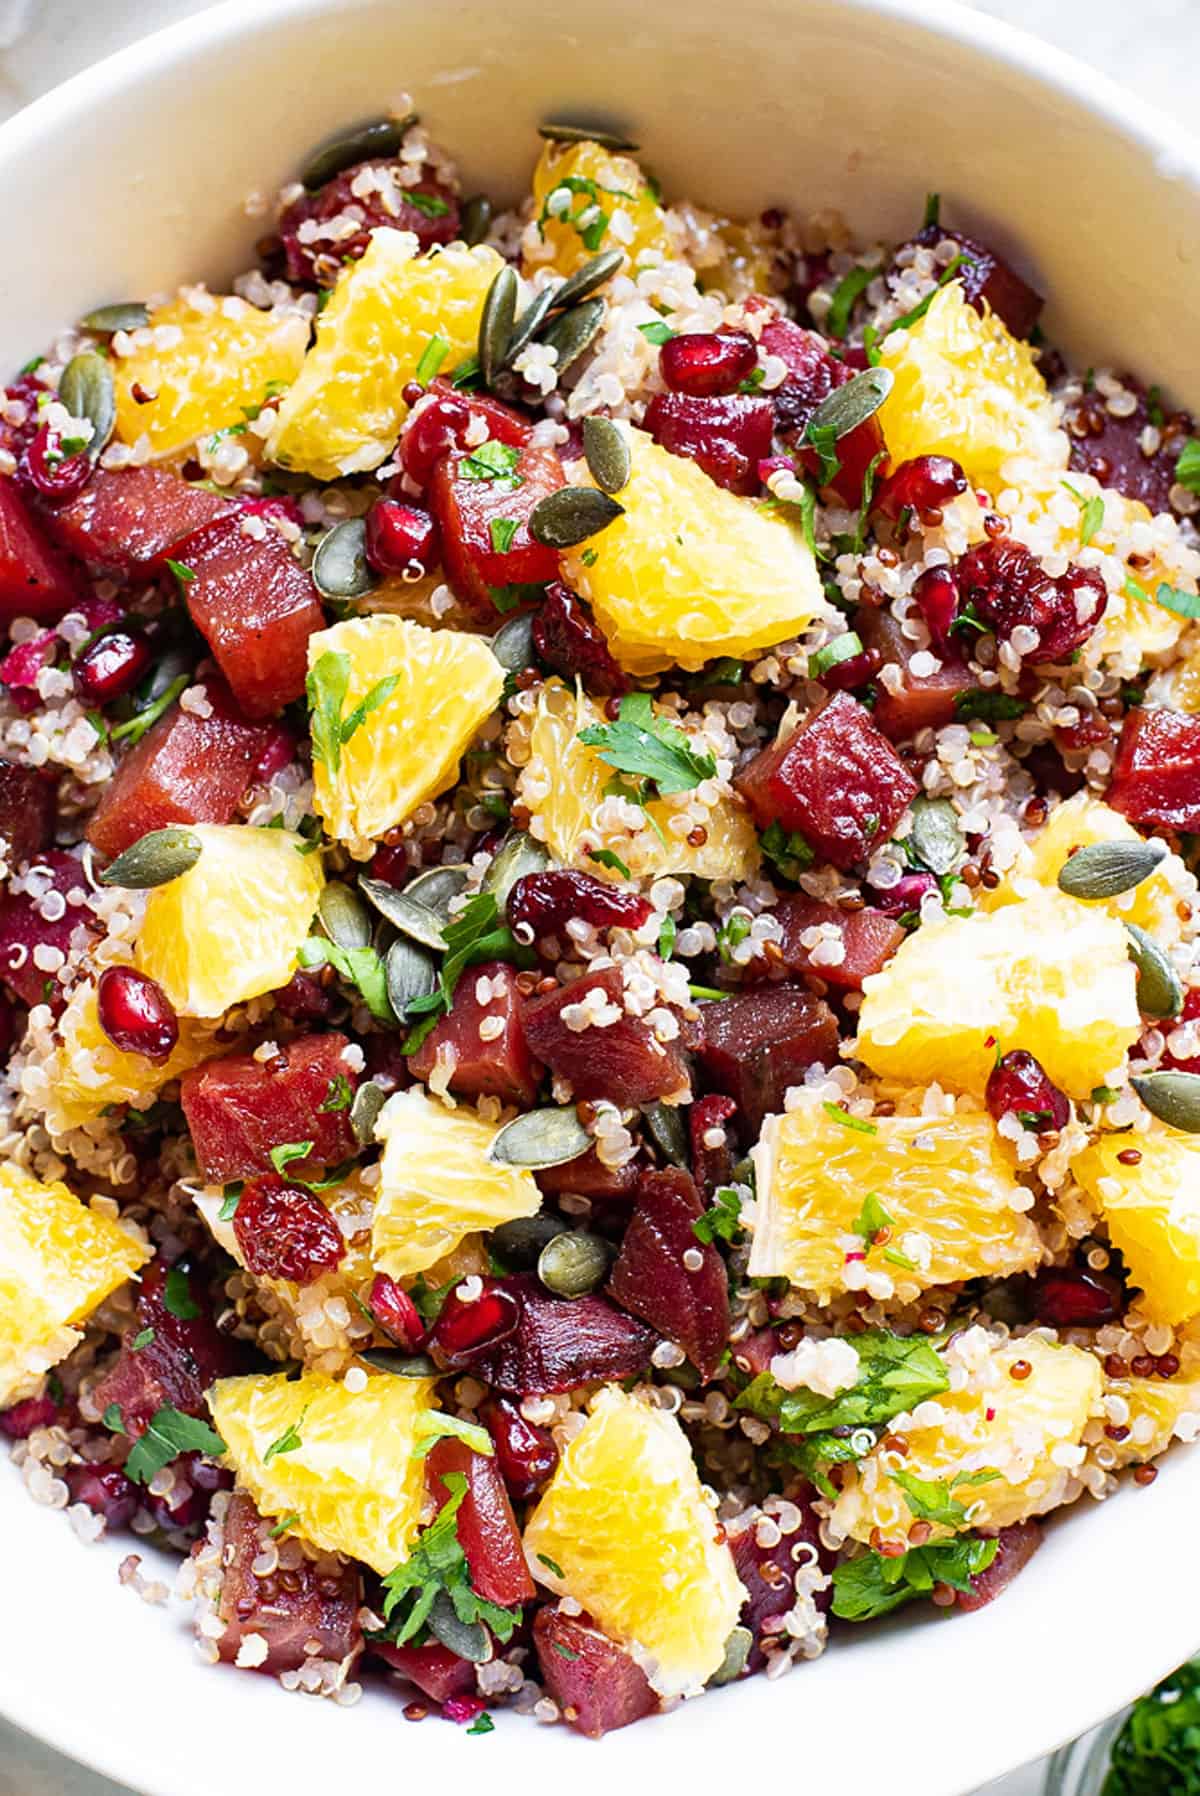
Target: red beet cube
[(589, 1177), (727, 437), (869, 938), (768, 1575), (1156, 775), (836, 779), (126, 520), (24, 927), (487, 1528), (35, 580), (437, 1673), (313, 1605), (239, 1108), (595, 1683), (28, 805), (440, 421), (813, 374), (499, 1066), (483, 519), (987, 277), (180, 1361), (256, 607), (434, 221), (562, 1342), (1017, 1545), (712, 1159), (186, 769), (922, 701), (651, 1279), (755, 1044), (621, 1060), (1111, 448)]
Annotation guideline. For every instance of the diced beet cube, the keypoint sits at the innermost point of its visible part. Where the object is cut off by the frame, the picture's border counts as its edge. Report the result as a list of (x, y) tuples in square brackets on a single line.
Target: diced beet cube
[(712, 1160), (313, 1605), (127, 519), (28, 803), (922, 701), (35, 580), (500, 1066), (869, 938), (177, 1365), (437, 1673), (755, 1044), (619, 1059), (1017, 1545), (256, 607), (571, 644), (595, 1683), (186, 769), (768, 1575), (486, 1527), (836, 779), (726, 437), (436, 221), (1110, 448), (813, 374), (24, 928), (988, 277), (239, 1108), (589, 1177), (482, 555), (562, 1342), (651, 1279), (1156, 775)]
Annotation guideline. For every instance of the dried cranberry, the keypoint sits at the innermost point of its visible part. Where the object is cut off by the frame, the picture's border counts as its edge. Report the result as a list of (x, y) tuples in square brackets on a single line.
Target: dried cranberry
[(466, 1328), (111, 666), (19, 1422), (136, 1014), (567, 640), (278, 751), (704, 364), (548, 901), (726, 437), (1018, 1085), (1075, 1297), (106, 1490), (53, 474), (399, 535), (284, 1232), (525, 1453), (1010, 589), (923, 485), (306, 1000), (395, 1311), (937, 598)]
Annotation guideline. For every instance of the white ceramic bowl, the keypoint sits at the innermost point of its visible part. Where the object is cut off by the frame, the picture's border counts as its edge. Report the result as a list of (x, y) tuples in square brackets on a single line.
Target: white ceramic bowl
[(131, 177)]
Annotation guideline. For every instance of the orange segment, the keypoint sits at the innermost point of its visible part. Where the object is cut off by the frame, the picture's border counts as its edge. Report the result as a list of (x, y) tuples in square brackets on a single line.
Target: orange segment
[(586, 199), (1153, 1214)]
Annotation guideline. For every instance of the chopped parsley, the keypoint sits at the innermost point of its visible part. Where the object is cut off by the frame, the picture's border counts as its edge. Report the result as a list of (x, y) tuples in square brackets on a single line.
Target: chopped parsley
[(113, 1420), (136, 726), (433, 1425), (607, 857), (492, 461), (168, 1433), (1091, 513), (339, 1096), (143, 1339), (431, 204), (177, 1296), (723, 1217), (230, 1200), (933, 210), (287, 1151), (873, 1585), (648, 749), (287, 1442), (438, 1564), (933, 1499), (666, 938), (1157, 1752), (552, 1566), (988, 707), (838, 1115), (1187, 468), (360, 967), (282, 1526), (502, 531), (733, 930), (788, 851), (873, 1220), (184, 574), (657, 333), (823, 438), (432, 357), (475, 934), (843, 648), (328, 683), (482, 1724), (837, 319)]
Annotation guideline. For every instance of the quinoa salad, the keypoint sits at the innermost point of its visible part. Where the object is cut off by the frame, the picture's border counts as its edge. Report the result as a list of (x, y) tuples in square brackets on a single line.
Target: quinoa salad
[(598, 806)]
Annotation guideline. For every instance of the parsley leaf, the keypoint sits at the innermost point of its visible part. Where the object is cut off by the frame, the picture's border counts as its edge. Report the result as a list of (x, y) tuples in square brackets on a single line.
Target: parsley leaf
[(658, 333), (475, 934), (168, 1433), (824, 439), (1173, 598), (871, 1585), (431, 204), (288, 1441), (433, 1425), (649, 748), (502, 531), (328, 682), (896, 1372), (733, 930), (360, 967), (177, 1296), (932, 1499), (230, 1200), (287, 1151), (871, 1218), (379, 694), (491, 461), (113, 1419), (184, 574), (552, 1566), (339, 1096), (723, 1217), (789, 852), (988, 707), (482, 1724), (836, 1114), (666, 938), (607, 857), (143, 1339), (1091, 513), (437, 1563)]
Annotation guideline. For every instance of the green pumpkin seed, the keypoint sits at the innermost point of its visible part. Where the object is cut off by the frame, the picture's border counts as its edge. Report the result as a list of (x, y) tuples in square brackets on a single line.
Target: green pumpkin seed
[(378, 137), (573, 1264), (411, 973), (665, 1125), (86, 389), (153, 860), (608, 140), (476, 219), (519, 1243), (936, 836), (529, 323), (585, 280), (574, 332), (737, 1655), (1159, 990), (467, 1639), (368, 1101), (571, 515), (607, 454), (344, 916), (512, 644), (339, 567), (849, 406), (516, 856), (106, 321), (541, 1138), (496, 323), (414, 920), (400, 1365), (1105, 869), (1173, 1097), (436, 887)]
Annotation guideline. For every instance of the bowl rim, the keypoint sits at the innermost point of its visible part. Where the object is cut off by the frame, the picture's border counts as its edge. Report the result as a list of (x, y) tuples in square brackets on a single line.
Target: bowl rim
[(30, 1705)]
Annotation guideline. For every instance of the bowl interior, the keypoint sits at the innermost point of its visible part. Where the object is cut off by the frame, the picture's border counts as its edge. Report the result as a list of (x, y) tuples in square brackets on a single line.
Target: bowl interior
[(133, 177)]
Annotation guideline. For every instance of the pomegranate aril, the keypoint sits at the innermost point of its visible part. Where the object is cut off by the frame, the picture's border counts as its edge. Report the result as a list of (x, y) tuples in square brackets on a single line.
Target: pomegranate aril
[(525, 1453), (50, 472), (462, 1709), (395, 1311), (704, 364), (548, 901), (937, 598), (923, 485), (1018, 1085), (111, 666), (19, 1422), (284, 1232), (136, 1014), (854, 671), (466, 1328), (906, 894), (400, 535), (1075, 1297)]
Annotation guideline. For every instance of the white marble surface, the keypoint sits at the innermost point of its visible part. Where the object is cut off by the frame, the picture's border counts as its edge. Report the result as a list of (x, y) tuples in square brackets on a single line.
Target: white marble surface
[(1153, 48)]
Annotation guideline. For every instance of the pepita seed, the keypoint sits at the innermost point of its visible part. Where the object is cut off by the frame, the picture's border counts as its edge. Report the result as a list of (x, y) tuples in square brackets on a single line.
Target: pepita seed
[(529, 323), (608, 140), (1105, 869), (936, 836), (436, 887), (1159, 989), (665, 1125), (512, 644), (340, 569), (153, 860), (476, 219), (573, 1264), (849, 406), (414, 920), (585, 280), (516, 856), (541, 1138), (106, 321), (571, 515), (520, 1242), (467, 1639), (86, 389), (496, 323), (1173, 1097), (411, 972), (367, 1102), (400, 1365), (378, 137), (345, 917), (607, 454), (737, 1655), (573, 332)]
